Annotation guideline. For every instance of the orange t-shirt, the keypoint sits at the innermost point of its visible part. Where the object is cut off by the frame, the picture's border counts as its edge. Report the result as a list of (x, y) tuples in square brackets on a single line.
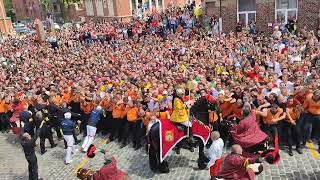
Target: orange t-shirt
[(270, 116), (237, 111), (311, 106), (132, 114), (226, 108), (57, 100), (104, 103), (66, 96), (293, 113), (4, 107), (118, 111), (132, 94), (87, 107)]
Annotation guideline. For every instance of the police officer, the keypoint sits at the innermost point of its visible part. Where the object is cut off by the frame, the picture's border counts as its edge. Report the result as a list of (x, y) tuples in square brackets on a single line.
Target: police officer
[(27, 121), (68, 126), (28, 144), (94, 118), (54, 120), (45, 132)]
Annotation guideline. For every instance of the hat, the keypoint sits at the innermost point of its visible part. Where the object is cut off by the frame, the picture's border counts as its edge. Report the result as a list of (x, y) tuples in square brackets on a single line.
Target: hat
[(47, 93), (180, 91), (67, 115), (165, 92)]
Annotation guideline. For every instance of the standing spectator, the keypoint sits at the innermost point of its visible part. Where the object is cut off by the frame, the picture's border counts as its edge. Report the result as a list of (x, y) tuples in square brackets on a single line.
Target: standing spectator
[(68, 126), (311, 106), (94, 118), (215, 153), (4, 118)]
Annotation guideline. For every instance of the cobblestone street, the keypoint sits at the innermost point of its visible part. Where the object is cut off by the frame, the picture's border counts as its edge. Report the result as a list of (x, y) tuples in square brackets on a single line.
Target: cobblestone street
[(135, 163)]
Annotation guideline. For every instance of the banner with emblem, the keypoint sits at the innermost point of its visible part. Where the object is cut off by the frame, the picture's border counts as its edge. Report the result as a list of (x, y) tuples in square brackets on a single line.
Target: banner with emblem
[(170, 136)]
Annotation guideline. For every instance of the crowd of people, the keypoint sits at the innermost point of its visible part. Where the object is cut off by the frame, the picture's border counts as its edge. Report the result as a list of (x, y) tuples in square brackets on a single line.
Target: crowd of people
[(127, 74)]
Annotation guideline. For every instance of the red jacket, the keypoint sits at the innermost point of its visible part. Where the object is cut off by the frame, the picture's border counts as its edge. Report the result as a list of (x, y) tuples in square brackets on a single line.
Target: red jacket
[(109, 172), (233, 168)]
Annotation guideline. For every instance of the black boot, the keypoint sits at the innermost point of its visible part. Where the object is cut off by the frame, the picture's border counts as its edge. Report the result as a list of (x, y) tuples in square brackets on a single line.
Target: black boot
[(290, 151), (43, 151), (54, 145), (178, 150), (191, 139), (299, 150)]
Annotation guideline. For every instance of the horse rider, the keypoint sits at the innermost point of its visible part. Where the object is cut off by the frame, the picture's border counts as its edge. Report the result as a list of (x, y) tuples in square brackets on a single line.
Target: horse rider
[(180, 114)]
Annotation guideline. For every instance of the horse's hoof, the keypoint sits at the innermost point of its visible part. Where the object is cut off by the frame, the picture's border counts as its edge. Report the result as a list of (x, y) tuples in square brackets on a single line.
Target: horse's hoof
[(202, 166), (191, 149), (153, 170), (165, 170), (178, 151)]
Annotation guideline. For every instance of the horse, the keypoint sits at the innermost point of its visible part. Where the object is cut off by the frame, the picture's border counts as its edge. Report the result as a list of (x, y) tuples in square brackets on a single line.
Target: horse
[(199, 111)]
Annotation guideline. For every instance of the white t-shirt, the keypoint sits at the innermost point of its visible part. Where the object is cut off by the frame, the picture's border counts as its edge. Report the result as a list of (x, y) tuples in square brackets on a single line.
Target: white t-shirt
[(274, 90), (215, 151)]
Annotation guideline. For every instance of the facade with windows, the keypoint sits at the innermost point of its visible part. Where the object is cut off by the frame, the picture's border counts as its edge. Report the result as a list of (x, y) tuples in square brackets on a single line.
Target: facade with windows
[(107, 9), (32, 9), (266, 13)]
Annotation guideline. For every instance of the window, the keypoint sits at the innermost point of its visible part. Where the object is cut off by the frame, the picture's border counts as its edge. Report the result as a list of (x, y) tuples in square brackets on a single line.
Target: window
[(55, 8), (133, 6), (246, 11), (286, 10), (153, 3), (160, 4)]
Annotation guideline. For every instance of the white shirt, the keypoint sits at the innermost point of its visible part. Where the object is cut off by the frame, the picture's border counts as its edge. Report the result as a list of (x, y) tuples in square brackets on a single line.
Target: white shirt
[(215, 151), (266, 92)]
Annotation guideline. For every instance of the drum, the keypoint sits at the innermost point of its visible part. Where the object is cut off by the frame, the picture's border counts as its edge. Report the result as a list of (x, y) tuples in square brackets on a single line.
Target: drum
[(84, 174), (256, 167)]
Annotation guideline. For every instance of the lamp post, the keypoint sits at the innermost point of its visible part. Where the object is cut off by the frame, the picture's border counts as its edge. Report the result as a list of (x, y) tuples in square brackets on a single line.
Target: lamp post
[(220, 10)]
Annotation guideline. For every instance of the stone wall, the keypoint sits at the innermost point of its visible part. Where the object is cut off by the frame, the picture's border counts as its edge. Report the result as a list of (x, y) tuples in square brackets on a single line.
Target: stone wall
[(308, 11), (229, 14), (265, 13)]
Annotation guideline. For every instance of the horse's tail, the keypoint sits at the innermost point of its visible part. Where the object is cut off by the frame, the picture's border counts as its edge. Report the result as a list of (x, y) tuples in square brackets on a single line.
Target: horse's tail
[(153, 147)]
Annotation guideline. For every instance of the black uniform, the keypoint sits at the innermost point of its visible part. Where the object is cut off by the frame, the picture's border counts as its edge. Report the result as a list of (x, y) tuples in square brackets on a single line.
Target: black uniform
[(54, 120), (26, 118), (45, 131), (29, 152)]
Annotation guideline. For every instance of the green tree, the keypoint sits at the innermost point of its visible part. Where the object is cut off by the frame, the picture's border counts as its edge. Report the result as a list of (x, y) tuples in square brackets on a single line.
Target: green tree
[(9, 9), (46, 4)]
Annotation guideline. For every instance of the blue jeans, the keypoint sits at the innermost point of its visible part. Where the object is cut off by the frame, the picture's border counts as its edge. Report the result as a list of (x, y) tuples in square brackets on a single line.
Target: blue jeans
[(308, 122), (88, 42), (173, 27)]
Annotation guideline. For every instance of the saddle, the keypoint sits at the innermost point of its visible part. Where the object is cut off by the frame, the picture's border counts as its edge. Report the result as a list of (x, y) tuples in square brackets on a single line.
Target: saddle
[(181, 127)]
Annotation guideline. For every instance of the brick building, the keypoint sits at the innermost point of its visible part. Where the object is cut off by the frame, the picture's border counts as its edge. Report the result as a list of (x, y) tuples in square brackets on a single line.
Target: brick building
[(5, 22), (126, 8), (264, 12), (32, 9)]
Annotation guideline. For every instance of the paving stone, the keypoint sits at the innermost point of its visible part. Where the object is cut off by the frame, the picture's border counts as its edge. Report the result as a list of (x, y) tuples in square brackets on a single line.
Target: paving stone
[(135, 163)]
